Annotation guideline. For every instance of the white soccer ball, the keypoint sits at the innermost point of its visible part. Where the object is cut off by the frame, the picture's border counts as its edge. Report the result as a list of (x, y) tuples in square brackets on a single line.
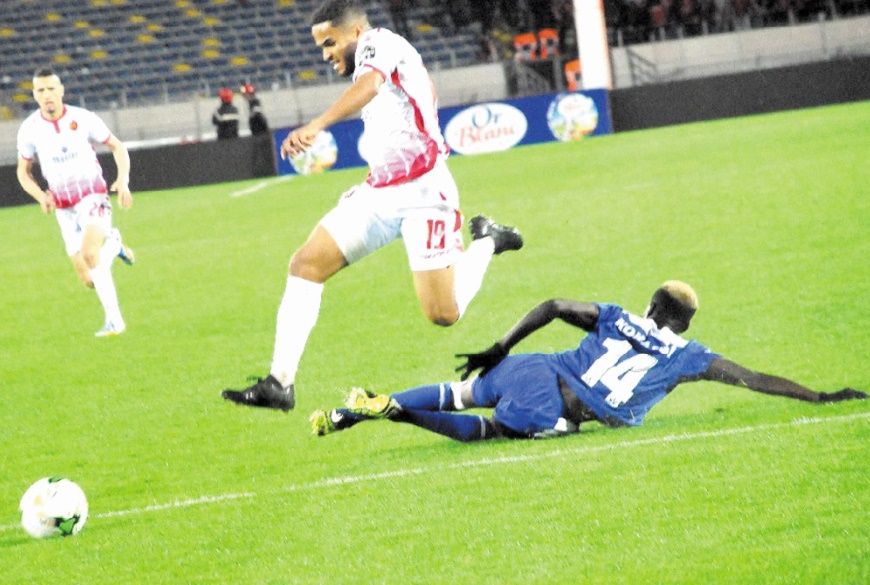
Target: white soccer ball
[(321, 155), (53, 506)]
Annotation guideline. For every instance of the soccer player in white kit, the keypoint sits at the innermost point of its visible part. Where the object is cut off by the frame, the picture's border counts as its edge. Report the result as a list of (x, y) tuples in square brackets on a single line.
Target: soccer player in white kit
[(409, 194), (62, 138)]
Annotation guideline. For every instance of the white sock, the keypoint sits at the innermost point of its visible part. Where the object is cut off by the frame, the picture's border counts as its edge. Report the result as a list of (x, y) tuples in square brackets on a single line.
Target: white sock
[(105, 288), (297, 316), (470, 270), (112, 244)]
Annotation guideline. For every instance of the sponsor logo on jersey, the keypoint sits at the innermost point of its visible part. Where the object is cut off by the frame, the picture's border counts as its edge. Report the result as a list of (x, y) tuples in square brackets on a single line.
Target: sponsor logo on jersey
[(483, 128), (66, 157), (73, 125)]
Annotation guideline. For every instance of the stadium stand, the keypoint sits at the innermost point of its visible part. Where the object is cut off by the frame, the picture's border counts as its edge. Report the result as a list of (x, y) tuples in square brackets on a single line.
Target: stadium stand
[(134, 52), (128, 52)]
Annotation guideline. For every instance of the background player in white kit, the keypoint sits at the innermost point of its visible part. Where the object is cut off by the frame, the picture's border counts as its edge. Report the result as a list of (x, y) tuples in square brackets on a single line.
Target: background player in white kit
[(409, 194), (62, 138)]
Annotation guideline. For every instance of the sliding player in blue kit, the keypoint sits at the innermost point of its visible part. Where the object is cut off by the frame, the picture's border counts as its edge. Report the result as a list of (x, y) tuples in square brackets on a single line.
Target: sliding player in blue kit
[(624, 366)]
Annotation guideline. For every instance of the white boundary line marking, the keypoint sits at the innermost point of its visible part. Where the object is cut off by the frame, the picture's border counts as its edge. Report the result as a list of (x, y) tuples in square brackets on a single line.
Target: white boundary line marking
[(260, 186), (351, 479)]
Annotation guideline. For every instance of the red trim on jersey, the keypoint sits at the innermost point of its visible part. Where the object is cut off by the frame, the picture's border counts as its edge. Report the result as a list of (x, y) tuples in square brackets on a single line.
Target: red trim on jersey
[(418, 114), (375, 69), (56, 123), (422, 164)]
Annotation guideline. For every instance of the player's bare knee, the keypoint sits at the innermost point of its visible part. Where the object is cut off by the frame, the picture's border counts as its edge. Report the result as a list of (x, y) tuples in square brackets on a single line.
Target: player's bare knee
[(91, 258), (86, 279), (304, 266), (307, 264), (442, 317)]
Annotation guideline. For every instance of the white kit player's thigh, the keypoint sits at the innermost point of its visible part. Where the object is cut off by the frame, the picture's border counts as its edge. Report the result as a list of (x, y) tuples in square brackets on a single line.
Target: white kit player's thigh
[(69, 230), (358, 224), (432, 224), (95, 209)]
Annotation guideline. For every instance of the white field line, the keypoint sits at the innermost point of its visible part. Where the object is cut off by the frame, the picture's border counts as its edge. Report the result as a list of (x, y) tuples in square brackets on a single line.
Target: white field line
[(407, 472), (260, 186)]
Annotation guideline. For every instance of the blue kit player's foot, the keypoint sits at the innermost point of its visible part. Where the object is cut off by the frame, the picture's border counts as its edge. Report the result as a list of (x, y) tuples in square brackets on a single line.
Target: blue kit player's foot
[(504, 237), (110, 329), (126, 252), (264, 393), (337, 419), (371, 405)]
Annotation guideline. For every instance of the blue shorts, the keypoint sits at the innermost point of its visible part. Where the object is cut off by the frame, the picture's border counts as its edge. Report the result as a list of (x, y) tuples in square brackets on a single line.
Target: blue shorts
[(524, 390)]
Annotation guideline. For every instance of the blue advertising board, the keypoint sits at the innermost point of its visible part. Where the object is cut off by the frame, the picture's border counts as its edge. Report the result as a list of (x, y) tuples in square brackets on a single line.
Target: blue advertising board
[(474, 129)]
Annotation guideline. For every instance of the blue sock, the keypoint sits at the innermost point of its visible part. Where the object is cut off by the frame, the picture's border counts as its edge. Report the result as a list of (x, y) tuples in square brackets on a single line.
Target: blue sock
[(430, 397), (461, 427)]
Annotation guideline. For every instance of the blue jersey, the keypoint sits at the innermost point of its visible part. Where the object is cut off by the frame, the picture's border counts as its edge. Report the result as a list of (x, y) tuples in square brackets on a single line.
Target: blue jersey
[(626, 365)]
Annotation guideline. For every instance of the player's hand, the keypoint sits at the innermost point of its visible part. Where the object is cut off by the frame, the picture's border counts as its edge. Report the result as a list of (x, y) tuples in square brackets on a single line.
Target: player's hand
[(483, 361), (844, 394), (47, 203), (125, 198), (298, 141)]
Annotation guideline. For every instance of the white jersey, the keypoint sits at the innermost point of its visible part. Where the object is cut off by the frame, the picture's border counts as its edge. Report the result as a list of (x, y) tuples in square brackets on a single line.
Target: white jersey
[(65, 149), (401, 139)]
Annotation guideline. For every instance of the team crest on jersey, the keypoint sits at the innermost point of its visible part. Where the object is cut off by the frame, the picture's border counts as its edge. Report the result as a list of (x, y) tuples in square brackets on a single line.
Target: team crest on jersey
[(73, 125)]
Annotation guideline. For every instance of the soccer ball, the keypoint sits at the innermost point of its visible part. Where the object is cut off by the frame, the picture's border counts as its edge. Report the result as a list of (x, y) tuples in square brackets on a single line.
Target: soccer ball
[(53, 506), (320, 156)]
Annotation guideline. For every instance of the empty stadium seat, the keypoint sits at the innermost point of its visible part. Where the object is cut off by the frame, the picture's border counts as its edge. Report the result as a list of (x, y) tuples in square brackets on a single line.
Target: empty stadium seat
[(266, 42)]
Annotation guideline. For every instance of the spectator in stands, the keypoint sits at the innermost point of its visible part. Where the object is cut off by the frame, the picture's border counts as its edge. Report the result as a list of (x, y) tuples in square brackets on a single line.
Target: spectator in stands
[(623, 367), (711, 17), (541, 14), (399, 15), (409, 194), (636, 22), (256, 119), (690, 17), (563, 15), (665, 17), (62, 138), (775, 12), (226, 117), (743, 14)]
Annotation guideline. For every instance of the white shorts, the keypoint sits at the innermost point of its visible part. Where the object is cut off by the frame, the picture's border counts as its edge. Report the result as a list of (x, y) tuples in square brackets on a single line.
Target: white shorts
[(423, 212), (94, 209)]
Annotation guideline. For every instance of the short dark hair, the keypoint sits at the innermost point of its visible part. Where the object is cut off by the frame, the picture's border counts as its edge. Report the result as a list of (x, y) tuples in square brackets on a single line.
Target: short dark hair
[(44, 72), (338, 12)]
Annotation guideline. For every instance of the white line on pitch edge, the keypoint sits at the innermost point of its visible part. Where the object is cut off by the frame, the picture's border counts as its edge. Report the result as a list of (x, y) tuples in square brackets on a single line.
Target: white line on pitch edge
[(351, 479), (260, 186)]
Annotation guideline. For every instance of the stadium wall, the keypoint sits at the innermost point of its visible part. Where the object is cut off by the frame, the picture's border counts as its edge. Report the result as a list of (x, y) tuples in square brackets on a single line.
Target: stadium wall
[(741, 94), (635, 108), (169, 167)]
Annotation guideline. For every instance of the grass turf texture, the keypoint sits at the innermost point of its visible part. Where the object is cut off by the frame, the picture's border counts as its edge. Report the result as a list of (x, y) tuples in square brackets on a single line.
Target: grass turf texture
[(766, 216)]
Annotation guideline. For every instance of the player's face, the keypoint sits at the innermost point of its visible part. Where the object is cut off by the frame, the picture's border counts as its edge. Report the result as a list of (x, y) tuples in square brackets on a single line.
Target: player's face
[(338, 44), (48, 93)]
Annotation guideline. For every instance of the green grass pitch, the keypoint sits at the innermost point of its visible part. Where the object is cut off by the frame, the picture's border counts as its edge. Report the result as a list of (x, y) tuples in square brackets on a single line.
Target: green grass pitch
[(768, 217)]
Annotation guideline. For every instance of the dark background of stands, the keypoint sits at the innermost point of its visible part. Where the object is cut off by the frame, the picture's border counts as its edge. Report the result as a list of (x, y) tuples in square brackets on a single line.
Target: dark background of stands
[(635, 108), (148, 51)]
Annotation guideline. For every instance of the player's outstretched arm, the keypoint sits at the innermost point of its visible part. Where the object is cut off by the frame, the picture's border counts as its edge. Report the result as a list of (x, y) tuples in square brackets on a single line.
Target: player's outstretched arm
[(363, 90), (728, 372), (577, 313)]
